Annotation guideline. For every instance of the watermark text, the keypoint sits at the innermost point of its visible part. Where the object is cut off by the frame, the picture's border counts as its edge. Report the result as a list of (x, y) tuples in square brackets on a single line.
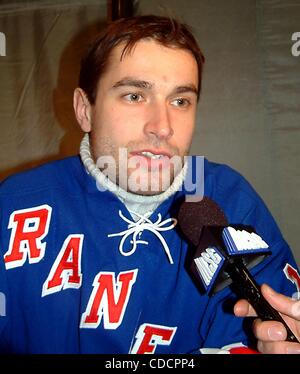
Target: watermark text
[(295, 50), (152, 174), (2, 44), (2, 305)]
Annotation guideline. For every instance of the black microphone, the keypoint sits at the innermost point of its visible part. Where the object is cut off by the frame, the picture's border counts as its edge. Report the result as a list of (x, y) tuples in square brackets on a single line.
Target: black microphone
[(223, 254)]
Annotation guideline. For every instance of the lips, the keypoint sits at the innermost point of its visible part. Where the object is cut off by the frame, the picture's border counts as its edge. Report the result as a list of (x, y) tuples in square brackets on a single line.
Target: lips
[(152, 154), (153, 160)]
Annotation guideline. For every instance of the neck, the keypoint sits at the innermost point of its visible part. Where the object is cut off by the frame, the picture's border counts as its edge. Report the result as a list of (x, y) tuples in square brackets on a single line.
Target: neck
[(137, 203)]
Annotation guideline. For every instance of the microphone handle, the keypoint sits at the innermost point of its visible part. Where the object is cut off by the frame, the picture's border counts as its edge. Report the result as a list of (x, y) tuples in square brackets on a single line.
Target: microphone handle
[(247, 288)]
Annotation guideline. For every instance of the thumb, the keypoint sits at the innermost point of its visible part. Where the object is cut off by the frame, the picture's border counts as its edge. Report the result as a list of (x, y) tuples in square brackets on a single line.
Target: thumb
[(283, 304)]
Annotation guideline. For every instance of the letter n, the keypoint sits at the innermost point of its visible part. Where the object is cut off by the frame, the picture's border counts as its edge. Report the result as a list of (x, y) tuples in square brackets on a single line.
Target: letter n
[(149, 336), (66, 270), (29, 227), (108, 299)]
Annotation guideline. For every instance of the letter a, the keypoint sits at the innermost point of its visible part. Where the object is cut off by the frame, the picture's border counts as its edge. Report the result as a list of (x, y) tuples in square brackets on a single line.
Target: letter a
[(66, 270)]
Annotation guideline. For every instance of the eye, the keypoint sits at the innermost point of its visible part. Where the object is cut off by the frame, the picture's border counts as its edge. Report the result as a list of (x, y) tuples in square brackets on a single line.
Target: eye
[(133, 97), (181, 102)]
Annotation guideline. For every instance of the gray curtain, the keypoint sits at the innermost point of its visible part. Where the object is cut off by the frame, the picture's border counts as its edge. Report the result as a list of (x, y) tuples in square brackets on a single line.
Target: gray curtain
[(44, 43), (249, 113)]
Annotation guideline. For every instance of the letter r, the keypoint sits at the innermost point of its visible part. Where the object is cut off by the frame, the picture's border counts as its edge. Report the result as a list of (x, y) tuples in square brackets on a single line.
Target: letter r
[(29, 227)]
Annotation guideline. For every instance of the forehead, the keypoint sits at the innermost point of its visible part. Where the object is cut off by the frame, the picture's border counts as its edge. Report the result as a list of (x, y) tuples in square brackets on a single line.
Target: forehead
[(150, 59)]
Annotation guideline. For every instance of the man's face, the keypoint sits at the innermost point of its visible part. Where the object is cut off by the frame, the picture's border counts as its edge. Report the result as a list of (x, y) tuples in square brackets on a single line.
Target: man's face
[(144, 115)]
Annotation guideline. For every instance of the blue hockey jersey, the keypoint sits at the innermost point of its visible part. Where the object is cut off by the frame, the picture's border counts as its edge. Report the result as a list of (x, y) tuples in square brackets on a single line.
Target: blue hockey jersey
[(67, 288)]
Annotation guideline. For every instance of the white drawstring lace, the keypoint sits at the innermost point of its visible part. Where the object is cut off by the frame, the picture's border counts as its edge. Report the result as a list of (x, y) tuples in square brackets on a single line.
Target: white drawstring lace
[(137, 228)]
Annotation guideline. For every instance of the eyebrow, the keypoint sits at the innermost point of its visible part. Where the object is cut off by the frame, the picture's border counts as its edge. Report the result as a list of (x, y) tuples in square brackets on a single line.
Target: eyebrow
[(132, 82), (187, 88)]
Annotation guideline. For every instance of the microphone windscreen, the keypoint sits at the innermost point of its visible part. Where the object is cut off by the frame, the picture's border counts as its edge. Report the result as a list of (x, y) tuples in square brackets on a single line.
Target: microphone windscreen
[(193, 216)]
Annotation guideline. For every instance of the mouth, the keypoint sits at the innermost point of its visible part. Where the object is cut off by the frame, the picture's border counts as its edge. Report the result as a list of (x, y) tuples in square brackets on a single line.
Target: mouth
[(153, 160), (153, 155)]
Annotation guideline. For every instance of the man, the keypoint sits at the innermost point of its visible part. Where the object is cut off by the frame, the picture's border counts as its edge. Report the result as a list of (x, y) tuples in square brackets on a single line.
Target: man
[(92, 261)]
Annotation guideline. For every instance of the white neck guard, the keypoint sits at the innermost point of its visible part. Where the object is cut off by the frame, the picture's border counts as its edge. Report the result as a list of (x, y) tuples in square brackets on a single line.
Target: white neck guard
[(140, 204)]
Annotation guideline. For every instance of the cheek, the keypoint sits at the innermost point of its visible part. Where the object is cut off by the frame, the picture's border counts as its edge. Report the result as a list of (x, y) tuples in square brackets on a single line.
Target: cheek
[(183, 132), (125, 125)]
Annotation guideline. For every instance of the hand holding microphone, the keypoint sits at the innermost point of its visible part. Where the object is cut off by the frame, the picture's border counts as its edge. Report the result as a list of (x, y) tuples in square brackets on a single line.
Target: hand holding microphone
[(223, 255), (271, 335)]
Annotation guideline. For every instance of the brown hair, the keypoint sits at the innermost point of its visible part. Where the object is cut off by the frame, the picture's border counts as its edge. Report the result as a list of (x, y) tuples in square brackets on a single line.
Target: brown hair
[(167, 31)]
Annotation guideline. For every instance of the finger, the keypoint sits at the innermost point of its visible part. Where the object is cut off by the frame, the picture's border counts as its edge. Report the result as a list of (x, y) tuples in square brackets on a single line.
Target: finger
[(282, 303), (269, 331), (243, 309), (278, 347)]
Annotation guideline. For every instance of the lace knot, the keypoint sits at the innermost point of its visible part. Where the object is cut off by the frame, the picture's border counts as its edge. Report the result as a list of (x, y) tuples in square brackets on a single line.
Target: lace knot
[(136, 228)]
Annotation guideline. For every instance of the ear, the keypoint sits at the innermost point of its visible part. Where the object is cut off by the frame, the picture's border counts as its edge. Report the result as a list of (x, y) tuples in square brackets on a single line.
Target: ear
[(82, 109)]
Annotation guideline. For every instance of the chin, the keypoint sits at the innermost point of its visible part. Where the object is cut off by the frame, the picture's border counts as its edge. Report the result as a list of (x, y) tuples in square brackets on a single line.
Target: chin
[(147, 192), (149, 185)]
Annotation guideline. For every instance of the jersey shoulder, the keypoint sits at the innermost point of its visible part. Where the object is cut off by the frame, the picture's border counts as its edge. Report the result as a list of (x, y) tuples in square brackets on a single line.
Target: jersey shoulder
[(45, 177)]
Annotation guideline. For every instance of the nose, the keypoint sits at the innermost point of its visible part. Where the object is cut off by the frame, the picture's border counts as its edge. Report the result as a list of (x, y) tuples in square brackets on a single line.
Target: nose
[(158, 122)]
